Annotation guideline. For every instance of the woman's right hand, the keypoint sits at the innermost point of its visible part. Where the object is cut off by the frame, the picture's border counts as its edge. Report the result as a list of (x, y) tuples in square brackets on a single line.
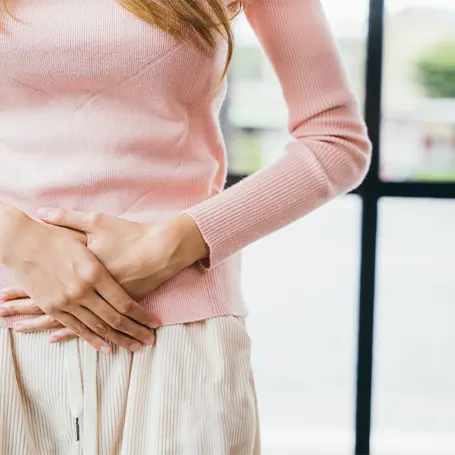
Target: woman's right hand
[(67, 282)]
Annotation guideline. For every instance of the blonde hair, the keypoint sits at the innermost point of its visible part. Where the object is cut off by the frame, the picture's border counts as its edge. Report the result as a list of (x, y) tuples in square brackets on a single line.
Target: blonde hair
[(196, 21)]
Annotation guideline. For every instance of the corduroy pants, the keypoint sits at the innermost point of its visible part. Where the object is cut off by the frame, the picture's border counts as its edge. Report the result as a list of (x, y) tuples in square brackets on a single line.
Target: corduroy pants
[(190, 394)]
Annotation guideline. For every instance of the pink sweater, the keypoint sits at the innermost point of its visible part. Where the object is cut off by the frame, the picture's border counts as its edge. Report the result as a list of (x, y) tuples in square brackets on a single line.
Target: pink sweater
[(99, 111)]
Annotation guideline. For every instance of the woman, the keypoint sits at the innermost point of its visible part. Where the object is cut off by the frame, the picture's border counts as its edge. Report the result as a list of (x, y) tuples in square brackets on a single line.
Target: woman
[(112, 169)]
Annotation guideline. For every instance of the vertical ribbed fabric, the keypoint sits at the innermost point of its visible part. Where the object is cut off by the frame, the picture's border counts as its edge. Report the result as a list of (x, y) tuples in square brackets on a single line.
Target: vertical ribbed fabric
[(191, 394), (102, 112)]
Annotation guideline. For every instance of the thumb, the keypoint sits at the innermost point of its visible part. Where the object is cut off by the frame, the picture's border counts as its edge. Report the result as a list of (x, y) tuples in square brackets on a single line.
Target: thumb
[(66, 218)]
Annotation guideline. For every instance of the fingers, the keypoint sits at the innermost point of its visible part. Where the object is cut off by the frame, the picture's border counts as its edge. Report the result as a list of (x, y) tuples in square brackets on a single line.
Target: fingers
[(82, 331), (118, 328), (113, 293), (40, 323), (23, 306), (12, 293), (62, 335), (120, 325), (81, 221), (99, 327)]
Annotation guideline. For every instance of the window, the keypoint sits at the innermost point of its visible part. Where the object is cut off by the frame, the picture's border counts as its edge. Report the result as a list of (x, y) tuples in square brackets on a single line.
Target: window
[(257, 112), (319, 392), (418, 104), (413, 400), (305, 360)]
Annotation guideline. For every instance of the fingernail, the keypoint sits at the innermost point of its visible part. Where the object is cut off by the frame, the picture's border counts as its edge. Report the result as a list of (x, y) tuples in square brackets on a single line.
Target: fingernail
[(153, 324), (46, 213), (3, 295), (19, 328), (105, 349), (135, 347), (2, 311), (53, 339), (150, 339)]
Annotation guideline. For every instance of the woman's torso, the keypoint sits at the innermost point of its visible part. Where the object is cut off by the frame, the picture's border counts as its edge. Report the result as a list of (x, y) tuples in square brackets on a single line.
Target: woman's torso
[(100, 111)]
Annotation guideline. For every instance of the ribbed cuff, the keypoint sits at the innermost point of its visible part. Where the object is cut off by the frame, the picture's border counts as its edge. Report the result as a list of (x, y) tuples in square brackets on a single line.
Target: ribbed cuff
[(259, 205)]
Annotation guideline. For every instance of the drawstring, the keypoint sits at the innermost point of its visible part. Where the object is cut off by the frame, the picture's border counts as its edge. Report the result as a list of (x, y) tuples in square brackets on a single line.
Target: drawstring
[(83, 397), (75, 395), (90, 401)]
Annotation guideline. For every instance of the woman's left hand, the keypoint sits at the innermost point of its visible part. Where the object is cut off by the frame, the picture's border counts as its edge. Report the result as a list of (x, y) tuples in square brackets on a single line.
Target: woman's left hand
[(139, 257)]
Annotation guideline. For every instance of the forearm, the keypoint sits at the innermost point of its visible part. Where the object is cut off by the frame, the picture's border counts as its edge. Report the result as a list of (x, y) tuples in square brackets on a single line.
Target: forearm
[(331, 151)]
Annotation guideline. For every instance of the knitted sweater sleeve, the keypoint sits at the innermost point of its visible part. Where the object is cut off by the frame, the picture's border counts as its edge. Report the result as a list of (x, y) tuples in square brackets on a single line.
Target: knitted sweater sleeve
[(330, 153)]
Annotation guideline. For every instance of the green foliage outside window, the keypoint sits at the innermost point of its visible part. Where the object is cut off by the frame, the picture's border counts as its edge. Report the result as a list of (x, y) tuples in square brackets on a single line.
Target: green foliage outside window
[(436, 70), (247, 157)]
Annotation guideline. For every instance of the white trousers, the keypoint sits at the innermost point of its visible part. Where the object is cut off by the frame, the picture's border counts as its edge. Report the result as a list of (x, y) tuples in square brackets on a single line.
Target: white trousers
[(190, 394)]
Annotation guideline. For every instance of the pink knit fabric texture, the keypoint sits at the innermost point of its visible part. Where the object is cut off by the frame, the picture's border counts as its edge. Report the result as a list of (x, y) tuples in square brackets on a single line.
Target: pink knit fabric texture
[(100, 111)]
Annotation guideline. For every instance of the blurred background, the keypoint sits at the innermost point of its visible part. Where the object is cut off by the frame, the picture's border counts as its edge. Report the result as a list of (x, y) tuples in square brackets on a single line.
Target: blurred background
[(392, 245)]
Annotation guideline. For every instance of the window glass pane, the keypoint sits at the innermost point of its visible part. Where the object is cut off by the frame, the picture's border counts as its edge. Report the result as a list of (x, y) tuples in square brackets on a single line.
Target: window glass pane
[(301, 287), (256, 111), (414, 374), (418, 105)]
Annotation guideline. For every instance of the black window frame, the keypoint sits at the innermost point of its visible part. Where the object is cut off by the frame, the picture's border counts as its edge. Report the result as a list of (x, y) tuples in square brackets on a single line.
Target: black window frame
[(370, 192)]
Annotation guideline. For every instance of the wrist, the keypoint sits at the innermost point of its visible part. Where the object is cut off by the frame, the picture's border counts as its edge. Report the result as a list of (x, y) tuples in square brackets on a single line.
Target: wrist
[(177, 244), (11, 220), (190, 244)]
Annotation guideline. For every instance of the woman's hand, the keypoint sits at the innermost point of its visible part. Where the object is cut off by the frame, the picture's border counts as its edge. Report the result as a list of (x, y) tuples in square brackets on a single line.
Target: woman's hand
[(67, 282), (139, 257)]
